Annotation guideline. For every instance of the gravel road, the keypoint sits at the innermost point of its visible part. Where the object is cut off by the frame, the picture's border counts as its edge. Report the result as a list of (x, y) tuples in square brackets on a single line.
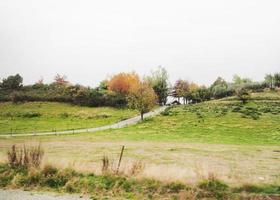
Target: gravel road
[(120, 124), (24, 195)]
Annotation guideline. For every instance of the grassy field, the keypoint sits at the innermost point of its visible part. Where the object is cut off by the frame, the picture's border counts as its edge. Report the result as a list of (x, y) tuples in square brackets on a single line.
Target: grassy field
[(240, 144), (43, 116), (211, 122)]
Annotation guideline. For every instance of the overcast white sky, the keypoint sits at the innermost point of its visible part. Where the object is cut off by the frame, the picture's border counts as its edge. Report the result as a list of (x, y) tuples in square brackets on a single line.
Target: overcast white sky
[(87, 40)]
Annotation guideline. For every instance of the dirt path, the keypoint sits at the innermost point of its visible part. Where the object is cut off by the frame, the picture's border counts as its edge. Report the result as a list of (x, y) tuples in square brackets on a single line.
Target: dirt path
[(120, 124), (24, 195)]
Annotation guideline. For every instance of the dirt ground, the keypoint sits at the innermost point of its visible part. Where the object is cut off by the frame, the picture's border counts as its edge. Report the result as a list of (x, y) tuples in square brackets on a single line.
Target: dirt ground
[(166, 161)]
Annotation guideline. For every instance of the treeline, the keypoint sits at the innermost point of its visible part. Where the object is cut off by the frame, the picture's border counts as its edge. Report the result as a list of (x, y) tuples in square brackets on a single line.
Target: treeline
[(120, 89), (220, 88)]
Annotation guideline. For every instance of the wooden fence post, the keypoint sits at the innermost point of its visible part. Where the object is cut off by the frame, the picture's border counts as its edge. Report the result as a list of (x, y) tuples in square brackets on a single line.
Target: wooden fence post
[(120, 159)]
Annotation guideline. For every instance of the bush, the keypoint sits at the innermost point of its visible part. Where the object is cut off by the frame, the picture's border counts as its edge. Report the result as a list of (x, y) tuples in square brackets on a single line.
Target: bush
[(213, 185), (251, 112), (54, 178), (214, 188), (175, 187), (72, 185), (49, 170), (166, 112), (64, 115), (5, 176), (29, 114)]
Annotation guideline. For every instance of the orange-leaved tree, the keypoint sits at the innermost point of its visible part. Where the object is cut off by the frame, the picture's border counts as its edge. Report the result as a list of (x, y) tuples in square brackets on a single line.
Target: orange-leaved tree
[(142, 97), (123, 83), (60, 79)]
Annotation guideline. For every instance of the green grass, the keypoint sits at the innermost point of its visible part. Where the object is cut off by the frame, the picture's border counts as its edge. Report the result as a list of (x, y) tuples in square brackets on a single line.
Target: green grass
[(267, 95), (211, 122), (46, 116)]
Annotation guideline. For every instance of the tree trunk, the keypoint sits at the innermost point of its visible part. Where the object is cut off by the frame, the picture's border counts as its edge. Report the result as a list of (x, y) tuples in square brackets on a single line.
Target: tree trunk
[(142, 116)]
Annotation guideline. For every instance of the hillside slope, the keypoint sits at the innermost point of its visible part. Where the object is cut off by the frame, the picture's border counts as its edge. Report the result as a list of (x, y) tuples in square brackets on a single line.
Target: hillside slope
[(220, 121), (49, 116)]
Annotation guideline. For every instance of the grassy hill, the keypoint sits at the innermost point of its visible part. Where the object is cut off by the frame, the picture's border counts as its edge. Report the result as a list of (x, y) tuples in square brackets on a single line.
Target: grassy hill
[(225, 121), (49, 116)]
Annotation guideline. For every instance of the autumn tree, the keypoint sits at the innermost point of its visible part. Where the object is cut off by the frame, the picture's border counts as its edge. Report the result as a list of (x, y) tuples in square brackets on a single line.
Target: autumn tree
[(60, 79), (123, 83), (142, 97), (40, 81), (159, 82), (181, 89), (192, 95)]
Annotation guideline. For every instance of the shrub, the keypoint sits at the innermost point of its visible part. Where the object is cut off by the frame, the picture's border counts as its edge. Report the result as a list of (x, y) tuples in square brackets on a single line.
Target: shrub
[(166, 112), (251, 113), (5, 178), (34, 176), (54, 178), (64, 115), (72, 185), (175, 187), (30, 114), (213, 185), (236, 109), (49, 170)]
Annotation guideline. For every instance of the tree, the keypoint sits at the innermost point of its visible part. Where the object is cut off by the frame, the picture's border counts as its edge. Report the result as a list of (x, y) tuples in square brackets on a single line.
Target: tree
[(103, 85), (204, 94), (237, 80), (269, 80), (123, 83), (277, 79), (219, 88), (12, 82), (242, 94), (40, 81), (220, 82), (159, 82), (60, 79), (142, 98), (193, 95), (181, 89), (219, 91)]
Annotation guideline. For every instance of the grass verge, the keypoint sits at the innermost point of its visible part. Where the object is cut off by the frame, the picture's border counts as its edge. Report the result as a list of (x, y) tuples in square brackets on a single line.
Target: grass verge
[(113, 186)]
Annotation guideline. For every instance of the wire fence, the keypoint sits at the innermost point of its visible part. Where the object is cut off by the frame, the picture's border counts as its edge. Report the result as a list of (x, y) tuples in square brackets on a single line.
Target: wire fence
[(15, 131)]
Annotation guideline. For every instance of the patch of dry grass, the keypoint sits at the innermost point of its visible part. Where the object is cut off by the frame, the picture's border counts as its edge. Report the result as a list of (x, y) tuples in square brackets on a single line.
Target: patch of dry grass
[(165, 161)]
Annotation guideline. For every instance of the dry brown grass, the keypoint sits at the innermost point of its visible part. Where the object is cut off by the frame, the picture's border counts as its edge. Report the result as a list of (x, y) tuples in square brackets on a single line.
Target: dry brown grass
[(165, 161), (191, 194), (25, 156), (136, 168)]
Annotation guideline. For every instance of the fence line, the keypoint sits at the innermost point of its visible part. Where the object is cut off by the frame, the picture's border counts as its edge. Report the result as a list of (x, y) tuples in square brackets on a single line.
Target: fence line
[(54, 131)]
